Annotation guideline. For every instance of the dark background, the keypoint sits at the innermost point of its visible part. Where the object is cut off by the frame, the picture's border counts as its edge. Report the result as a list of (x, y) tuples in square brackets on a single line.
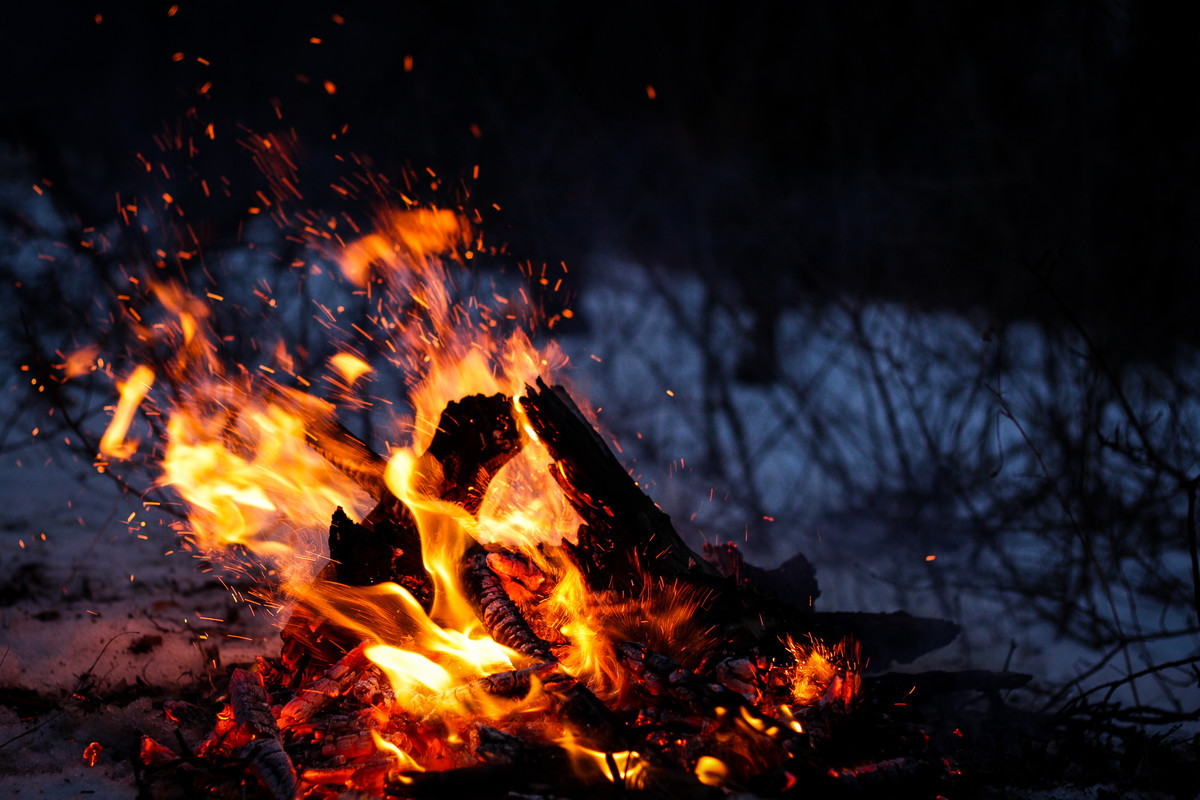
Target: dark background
[(926, 151)]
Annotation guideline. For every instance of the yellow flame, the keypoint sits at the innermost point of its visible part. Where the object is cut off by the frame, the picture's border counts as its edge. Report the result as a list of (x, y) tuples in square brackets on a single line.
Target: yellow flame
[(410, 673), (411, 240), (350, 367), (629, 766), (251, 479), (711, 771), (132, 392), (404, 762)]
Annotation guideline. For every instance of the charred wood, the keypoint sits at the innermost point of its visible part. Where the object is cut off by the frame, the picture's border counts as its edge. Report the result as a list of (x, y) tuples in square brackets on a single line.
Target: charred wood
[(901, 776), (793, 582), (500, 616), (476, 436), (386, 550), (251, 704), (329, 687), (885, 638), (471, 697), (269, 762), (916, 687), (625, 535), (311, 643)]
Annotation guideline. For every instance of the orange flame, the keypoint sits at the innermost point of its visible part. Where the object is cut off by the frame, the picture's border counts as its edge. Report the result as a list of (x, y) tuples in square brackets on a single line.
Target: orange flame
[(823, 674), (133, 391), (238, 453)]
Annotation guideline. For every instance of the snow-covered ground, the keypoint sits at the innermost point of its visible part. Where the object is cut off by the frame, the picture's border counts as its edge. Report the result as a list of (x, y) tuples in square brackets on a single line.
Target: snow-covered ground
[(101, 617)]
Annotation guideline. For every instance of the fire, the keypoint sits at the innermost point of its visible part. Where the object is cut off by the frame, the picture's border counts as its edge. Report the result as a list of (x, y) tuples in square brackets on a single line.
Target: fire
[(245, 453), (624, 767), (133, 391), (821, 674), (350, 367)]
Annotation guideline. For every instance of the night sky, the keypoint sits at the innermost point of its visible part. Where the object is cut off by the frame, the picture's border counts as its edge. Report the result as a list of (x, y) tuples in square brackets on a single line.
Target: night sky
[(930, 151)]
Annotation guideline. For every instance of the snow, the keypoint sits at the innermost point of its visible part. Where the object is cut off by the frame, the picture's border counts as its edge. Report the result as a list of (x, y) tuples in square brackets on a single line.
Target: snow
[(100, 624)]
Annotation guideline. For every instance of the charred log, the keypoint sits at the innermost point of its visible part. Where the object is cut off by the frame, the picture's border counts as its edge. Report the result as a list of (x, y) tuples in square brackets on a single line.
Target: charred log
[(885, 638), (625, 535), (269, 762), (916, 687), (476, 436), (793, 582), (500, 616), (329, 687), (472, 697), (251, 704)]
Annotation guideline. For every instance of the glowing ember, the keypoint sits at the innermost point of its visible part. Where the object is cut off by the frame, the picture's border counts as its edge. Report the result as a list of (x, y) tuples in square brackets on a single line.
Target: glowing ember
[(817, 675), (91, 753)]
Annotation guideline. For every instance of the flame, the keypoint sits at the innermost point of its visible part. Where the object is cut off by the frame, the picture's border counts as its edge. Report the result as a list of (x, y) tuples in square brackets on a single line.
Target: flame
[(711, 771), (409, 245), (240, 452), (81, 361), (132, 391), (404, 762), (823, 674), (250, 479), (350, 367), (625, 767)]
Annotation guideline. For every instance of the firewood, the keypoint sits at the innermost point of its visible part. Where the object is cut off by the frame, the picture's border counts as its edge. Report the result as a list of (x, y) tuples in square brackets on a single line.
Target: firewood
[(484, 781), (625, 536), (311, 643), (661, 676), (793, 582), (152, 753), (476, 436), (885, 638), (367, 555), (915, 687), (882, 778), (251, 704), (501, 617), (326, 689), (269, 762), (373, 688), (470, 697), (577, 706)]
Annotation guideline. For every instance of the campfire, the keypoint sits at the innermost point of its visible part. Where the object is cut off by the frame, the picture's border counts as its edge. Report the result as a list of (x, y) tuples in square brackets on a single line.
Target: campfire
[(493, 607)]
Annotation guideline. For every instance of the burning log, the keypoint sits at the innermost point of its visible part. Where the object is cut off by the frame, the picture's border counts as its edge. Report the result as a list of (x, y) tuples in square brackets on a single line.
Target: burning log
[(383, 548), (476, 436), (473, 697), (626, 537), (329, 687), (496, 610)]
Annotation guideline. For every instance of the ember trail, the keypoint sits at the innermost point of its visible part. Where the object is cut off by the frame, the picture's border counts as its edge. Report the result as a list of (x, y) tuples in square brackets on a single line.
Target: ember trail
[(496, 592)]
